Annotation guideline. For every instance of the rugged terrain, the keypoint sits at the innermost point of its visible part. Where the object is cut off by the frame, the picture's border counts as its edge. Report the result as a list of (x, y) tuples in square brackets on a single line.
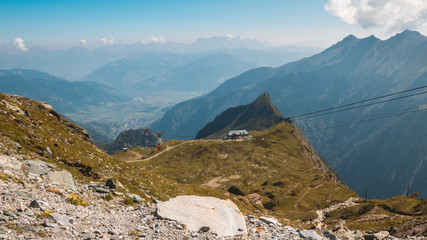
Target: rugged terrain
[(287, 184), (378, 148), (56, 184), (33, 130)]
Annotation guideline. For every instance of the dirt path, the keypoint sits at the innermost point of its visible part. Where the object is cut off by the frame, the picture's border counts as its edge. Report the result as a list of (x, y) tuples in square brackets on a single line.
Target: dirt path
[(215, 182), (306, 192), (167, 149), (137, 155), (321, 213)]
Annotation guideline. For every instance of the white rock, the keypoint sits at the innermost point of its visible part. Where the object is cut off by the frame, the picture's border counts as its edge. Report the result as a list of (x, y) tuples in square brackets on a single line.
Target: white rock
[(62, 177), (221, 216), (38, 167), (310, 234), (269, 220), (382, 234), (63, 220), (290, 229), (10, 162)]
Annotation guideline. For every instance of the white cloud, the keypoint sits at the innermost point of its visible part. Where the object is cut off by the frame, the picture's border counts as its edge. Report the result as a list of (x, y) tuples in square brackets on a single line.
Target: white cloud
[(159, 39), (390, 15), (83, 42), (229, 35), (107, 41), (19, 43)]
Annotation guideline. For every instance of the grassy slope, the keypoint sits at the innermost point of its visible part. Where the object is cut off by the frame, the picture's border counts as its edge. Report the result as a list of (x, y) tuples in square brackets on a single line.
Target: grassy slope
[(279, 165), (36, 127), (399, 214), (275, 164)]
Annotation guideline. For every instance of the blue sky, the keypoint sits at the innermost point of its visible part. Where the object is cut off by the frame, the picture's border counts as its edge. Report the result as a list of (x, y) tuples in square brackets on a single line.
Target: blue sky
[(58, 24)]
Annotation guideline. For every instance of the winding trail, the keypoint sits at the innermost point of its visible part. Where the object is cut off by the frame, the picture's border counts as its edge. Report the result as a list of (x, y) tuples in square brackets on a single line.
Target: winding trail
[(306, 192), (321, 213), (137, 155), (168, 148)]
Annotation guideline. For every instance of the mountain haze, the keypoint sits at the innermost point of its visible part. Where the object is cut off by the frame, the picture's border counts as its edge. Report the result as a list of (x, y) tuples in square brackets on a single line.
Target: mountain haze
[(383, 156), (66, 96), (77, 62), (122, 74), (200, 75)]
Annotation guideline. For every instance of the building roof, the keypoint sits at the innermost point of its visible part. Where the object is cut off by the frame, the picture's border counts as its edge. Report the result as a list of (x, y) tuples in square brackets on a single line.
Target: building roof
[(237, 132)]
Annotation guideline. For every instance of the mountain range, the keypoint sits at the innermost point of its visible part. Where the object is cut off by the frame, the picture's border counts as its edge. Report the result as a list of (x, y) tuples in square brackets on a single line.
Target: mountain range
[(77, 62), (64, 95), (156, 73), (151, 73), (379, 157)]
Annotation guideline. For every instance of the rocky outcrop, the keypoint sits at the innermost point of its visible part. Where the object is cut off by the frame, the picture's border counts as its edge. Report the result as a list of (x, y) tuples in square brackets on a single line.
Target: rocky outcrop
[(221, 216), (132, 138), (40, 169)]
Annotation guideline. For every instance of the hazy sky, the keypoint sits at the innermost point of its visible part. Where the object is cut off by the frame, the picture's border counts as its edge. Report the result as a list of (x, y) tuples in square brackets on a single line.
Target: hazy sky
[(61, 23)]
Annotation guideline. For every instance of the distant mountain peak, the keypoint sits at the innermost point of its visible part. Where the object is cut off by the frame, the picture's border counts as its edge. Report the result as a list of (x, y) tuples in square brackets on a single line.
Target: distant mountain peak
[(264, 97), (227, 42), (350, 37), (264, 102), (409, 34), (372, 37)]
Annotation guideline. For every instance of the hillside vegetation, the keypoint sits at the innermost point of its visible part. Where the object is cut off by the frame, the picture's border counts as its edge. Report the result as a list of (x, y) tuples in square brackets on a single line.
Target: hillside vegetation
[(276, 170), (279, 173), (34, 130)]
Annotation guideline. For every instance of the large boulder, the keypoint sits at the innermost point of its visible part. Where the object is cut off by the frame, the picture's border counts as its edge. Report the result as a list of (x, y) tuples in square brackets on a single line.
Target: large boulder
[(9, 162), (63, 178), (38, 167), (310, 234), (221, 216)]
